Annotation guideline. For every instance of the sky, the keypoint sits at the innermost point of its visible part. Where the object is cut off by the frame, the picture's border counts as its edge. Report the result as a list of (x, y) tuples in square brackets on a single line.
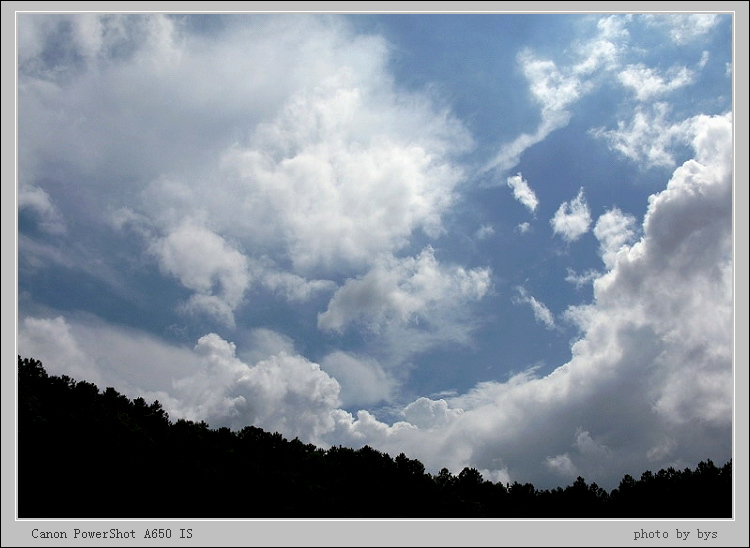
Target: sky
[(500, 241)]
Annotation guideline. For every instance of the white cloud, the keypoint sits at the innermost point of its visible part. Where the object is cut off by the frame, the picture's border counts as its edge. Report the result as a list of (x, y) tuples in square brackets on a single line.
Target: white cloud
[(590, 454), (581, 279), (654, 362), (50, 340), (341, 178), (556, 88), (572, 219), (211, 305), (261, 343), (614, 230), (404, 293), (425, 413), (648, 137), (647, 83), (484, 232), (541, 312), (90, 350), (303, 163), (523, 228), (205, 263), (648, 383), (284, 392), (303, 152), (554, 92), (522, 192), (684, 28), (363, 380), (602, 52), (292, 287)]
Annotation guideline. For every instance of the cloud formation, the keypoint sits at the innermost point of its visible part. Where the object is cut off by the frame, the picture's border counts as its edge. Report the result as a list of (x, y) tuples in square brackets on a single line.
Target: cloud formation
[(205, 263), (649, 137), (278, 160), (649, 383), (363, 380), (572, 219), (415, 302), (556, 88), (646, 82), (614, 230), (522, 192), (684, 28), (322, 164), (541, 312)]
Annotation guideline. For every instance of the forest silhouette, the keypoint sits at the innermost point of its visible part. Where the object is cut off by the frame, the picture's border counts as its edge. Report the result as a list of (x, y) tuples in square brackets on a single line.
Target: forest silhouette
[(86, 453)]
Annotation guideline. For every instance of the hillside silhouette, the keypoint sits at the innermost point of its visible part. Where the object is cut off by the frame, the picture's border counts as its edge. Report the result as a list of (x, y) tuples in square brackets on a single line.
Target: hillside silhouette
[(86, 453)]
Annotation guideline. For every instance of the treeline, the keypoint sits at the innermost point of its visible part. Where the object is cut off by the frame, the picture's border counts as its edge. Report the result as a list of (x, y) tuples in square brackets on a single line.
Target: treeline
[(83, 453)]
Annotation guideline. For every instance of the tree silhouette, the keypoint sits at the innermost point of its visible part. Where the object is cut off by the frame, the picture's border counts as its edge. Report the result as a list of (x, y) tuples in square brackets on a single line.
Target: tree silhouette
[(83, 453)]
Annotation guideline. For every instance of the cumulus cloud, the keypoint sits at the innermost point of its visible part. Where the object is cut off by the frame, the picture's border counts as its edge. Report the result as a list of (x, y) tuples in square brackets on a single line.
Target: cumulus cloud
[(585, 449), (301, 170), (654, 362), (290, 286), (282, 393), (522, 192), (335, 162), (562, 465), (425, 413), (614, 230), (541, 312), (304, 152), (363, 381), (649, 382), (414, 297), (205, 263), (572, 219)]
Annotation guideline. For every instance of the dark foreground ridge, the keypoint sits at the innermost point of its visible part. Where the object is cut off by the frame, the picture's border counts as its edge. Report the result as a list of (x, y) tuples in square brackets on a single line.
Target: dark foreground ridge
[(83, 453)]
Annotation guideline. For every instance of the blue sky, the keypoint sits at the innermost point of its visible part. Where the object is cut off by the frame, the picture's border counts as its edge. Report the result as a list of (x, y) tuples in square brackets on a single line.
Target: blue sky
[(500, 241)]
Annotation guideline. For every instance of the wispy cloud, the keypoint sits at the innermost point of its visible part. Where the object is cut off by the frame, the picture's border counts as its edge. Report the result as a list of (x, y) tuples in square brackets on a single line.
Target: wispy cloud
[(556, 88), (646, 82), (523, 228), (684, 28), (541, 312), (649, 137), (484, 232)]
